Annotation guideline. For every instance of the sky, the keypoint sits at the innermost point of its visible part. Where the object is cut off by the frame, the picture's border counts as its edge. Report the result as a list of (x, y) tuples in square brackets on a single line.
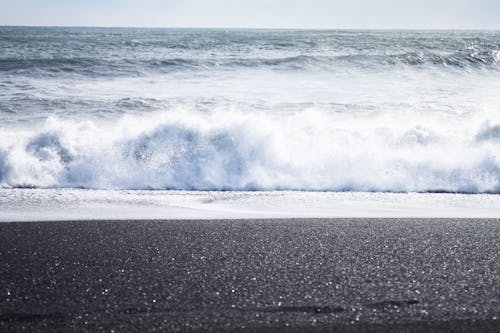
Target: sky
[(320, 14)]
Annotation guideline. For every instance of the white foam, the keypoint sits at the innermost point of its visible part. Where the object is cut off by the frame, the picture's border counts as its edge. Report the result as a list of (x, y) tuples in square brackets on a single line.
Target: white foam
[(74, 204), (231, 150), (407, 129)]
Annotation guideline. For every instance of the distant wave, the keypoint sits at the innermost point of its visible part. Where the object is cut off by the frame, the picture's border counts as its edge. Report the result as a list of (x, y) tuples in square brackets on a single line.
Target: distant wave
[(467, 59), (232, 151)]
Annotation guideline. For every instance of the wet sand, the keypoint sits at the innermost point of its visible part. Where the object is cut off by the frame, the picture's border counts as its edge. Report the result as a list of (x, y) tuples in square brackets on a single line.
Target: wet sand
[(290, 275)]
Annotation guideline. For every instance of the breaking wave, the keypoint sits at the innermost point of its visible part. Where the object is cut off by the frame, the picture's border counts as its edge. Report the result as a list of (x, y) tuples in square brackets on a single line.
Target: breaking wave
[(310, 150)]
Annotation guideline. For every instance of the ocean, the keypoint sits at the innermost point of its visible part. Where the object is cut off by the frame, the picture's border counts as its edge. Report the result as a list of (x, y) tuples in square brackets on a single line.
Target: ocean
[(249, 110), (248, 180)]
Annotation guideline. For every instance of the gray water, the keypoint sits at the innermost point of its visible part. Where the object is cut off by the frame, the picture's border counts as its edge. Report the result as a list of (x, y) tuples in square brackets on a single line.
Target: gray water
[(198, 109)]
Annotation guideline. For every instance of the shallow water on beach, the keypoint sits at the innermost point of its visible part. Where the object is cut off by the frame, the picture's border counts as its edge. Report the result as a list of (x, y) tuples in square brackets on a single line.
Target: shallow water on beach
[(187, 109), (86, 204)]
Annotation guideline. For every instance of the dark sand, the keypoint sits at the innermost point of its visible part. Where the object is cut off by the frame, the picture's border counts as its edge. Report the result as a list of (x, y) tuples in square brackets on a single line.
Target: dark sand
[(381, 275)]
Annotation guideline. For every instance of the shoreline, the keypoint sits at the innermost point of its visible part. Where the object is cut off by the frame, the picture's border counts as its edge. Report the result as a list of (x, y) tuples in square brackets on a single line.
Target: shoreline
[(261, 275), (78, 204)]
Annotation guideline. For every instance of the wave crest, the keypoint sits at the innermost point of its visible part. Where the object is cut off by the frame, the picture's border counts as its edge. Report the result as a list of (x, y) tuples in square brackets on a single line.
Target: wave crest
[(232, 151), (464, 59)]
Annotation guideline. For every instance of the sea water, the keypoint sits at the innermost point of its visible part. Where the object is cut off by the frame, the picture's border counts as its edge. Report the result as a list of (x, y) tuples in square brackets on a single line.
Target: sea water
[(250, 110)]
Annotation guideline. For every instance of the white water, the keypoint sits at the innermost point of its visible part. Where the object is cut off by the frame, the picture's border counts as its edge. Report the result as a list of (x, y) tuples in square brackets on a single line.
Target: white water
[(71, 204), (313, 149), (249, 110)]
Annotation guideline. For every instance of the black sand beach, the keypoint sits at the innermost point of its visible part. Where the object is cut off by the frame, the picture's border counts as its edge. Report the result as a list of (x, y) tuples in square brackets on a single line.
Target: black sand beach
[(322, 275)]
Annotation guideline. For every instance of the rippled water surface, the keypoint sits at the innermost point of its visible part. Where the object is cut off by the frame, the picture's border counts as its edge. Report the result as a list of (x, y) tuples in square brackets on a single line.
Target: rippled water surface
[(191, 109)]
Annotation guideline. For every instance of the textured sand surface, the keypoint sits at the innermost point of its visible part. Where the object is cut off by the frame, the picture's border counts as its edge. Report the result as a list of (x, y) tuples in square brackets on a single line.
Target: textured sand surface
[(387, 275)]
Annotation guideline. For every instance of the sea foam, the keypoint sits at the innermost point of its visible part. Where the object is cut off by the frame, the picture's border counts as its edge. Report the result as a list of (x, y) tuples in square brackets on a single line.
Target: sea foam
[(309, 150)]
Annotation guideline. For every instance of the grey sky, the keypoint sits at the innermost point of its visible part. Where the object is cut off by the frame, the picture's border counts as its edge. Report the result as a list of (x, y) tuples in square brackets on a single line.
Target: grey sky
[(378, 14)]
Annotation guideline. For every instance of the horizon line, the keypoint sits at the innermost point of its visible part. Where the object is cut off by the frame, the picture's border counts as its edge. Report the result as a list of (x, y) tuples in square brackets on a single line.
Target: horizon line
[(248, 28)]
